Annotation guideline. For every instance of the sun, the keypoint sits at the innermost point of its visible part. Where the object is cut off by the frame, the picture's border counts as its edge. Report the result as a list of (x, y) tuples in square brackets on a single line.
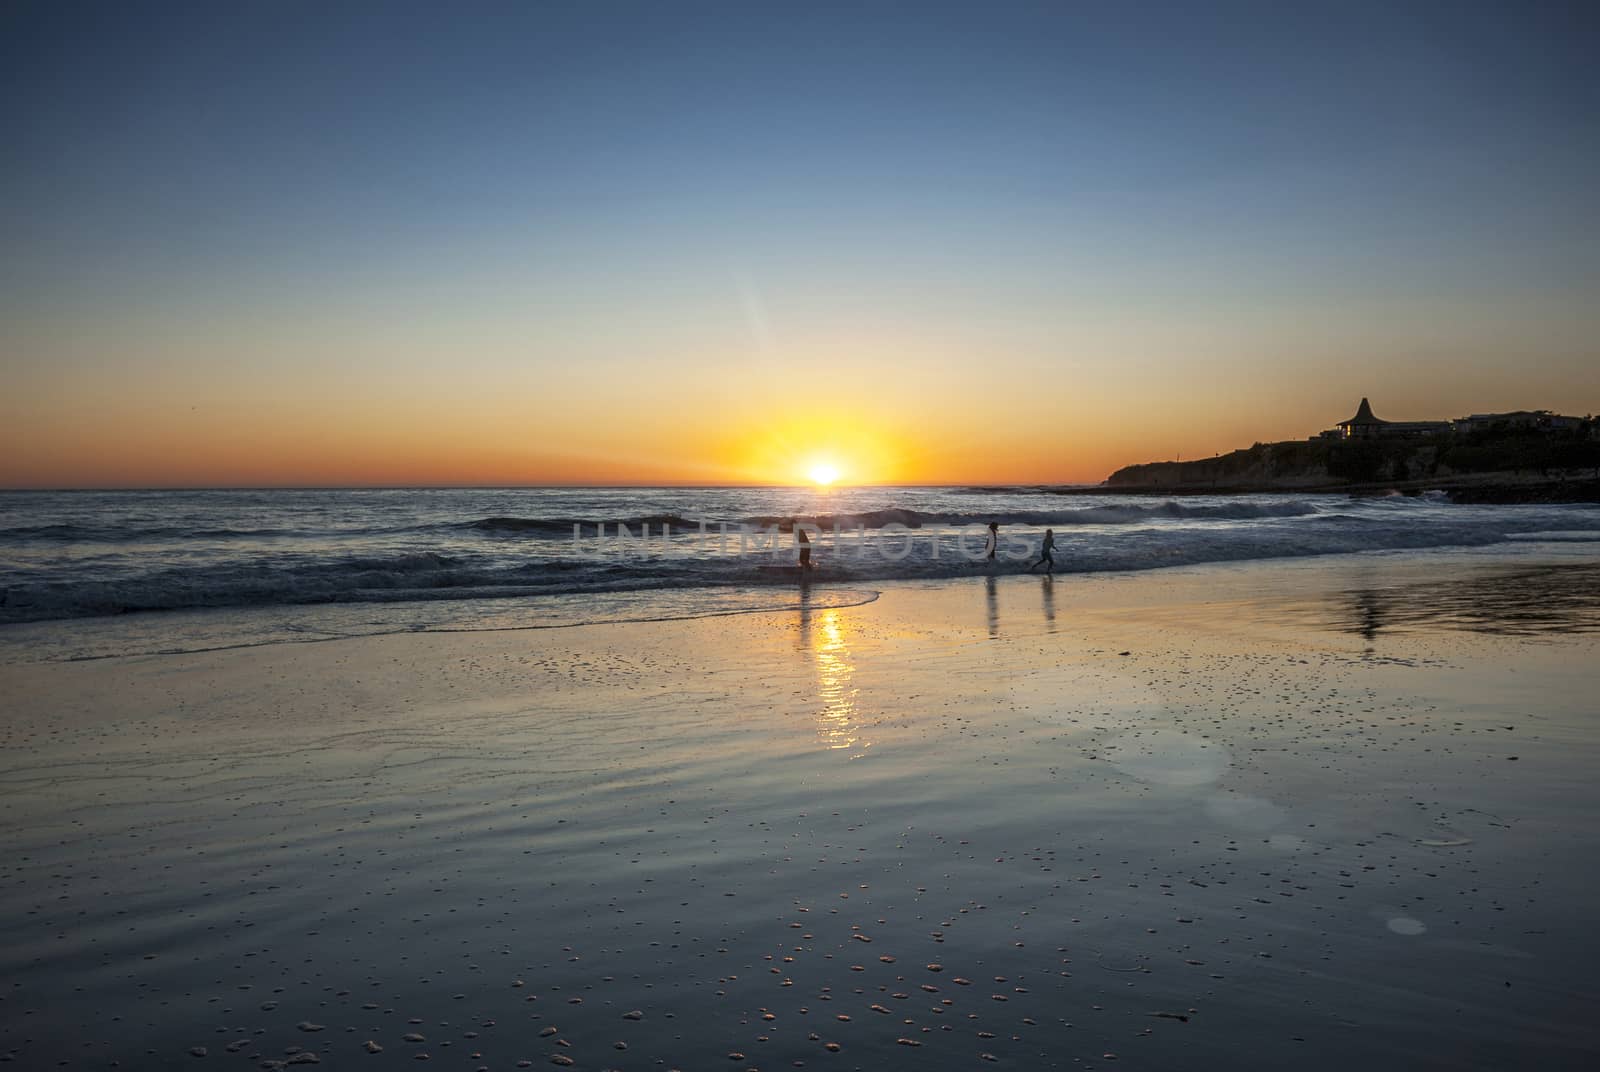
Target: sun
[(822, 474)]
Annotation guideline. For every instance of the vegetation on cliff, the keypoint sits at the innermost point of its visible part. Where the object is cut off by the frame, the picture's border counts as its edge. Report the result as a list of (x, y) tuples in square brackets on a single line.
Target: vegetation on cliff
[(1318, 462)]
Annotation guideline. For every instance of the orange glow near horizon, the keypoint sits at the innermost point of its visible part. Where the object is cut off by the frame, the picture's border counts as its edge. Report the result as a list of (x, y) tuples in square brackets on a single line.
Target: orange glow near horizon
[(735, 249), (311, 396), (820, 449), (269, 426)]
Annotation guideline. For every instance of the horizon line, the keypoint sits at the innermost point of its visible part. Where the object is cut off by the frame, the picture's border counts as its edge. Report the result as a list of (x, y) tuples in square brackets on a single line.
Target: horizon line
[(86, 489)]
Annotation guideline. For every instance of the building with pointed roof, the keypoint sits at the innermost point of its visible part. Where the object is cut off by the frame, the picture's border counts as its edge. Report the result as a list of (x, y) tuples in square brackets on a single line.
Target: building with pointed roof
[(1368, 425)]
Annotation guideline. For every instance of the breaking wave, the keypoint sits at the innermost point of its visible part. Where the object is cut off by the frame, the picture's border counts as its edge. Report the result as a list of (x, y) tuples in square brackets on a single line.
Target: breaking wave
[(69, 556)]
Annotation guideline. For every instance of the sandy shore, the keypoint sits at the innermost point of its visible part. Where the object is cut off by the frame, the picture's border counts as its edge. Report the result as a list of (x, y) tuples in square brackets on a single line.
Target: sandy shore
[(1324, 812)]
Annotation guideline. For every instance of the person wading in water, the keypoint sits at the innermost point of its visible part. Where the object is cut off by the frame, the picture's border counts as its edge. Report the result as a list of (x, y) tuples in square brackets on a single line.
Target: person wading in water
[(1045, 557)]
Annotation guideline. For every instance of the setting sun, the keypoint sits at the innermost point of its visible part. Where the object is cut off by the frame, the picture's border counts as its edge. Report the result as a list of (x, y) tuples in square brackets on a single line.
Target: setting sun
[(823, 474), (755, 421)]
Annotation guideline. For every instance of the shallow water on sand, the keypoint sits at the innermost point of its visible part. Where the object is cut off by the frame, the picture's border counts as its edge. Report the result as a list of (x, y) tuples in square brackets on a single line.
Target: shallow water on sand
[(1031, 824)]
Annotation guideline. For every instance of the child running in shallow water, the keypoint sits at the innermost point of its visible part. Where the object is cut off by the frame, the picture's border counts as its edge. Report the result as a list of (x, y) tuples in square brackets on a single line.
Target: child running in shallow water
[(1046, 558)]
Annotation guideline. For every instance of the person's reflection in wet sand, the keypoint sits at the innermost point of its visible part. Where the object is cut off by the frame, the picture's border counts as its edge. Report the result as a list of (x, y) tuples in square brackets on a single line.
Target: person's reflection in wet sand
[(803, 642), (1512, 602), (1371, 609), (1047, 599), (992, 605)]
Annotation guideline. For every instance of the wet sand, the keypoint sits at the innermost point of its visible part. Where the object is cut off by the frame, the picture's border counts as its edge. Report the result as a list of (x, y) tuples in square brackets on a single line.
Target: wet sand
[(1323, 812)]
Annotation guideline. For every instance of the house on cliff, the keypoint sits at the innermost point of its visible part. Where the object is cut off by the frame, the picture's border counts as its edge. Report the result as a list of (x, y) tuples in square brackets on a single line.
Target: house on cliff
[(1367, 425), (1522, 420)]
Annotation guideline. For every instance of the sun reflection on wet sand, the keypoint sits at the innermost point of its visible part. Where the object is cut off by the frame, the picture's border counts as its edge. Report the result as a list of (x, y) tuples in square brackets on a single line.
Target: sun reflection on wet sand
[(838, 725)]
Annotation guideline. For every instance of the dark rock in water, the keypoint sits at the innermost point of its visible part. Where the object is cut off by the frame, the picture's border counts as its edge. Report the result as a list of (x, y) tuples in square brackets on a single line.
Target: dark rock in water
[(1560, 491)]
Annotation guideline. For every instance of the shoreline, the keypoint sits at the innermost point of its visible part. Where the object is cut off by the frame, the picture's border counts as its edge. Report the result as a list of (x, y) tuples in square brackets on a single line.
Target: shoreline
[(1488, 489), (137, 633), (320, 550)]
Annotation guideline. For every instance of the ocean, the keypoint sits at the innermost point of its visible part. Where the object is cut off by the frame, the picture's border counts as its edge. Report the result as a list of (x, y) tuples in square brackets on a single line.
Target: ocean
[(317, 563)]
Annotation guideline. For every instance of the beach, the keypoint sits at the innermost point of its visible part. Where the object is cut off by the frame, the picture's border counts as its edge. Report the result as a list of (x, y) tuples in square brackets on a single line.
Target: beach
[(756, 537), (1331, 811)]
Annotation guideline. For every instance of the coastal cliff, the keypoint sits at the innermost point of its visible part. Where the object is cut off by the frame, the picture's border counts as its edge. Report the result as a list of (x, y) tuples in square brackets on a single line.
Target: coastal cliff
[(1441, 461), (1278, 465)]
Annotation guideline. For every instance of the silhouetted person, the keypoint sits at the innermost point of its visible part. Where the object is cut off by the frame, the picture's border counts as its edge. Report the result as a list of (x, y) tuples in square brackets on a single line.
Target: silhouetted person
[(805, 548), (1045, 549), (992, 543)]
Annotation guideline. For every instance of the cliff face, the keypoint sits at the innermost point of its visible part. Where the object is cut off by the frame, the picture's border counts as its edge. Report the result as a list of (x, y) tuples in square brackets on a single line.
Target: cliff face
[(1303, 463), (1276, 464)]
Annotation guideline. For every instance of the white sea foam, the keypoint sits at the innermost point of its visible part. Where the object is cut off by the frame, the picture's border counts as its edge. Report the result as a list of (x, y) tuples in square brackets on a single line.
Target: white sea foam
[(71, 555)]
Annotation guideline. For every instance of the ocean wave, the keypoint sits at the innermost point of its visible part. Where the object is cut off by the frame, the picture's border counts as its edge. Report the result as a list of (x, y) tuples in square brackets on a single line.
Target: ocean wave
[(81, 533), (165, 593), (611, 566), (1557, 536), (679, 524), (1088, 515), (425, 546), (538, 526), (253, 583)]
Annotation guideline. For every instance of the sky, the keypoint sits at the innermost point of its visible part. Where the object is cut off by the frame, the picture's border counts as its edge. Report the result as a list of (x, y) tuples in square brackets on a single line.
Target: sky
[(679, 243)]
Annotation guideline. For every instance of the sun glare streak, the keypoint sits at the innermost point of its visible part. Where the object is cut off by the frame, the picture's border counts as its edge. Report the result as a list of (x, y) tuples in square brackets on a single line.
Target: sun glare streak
[(838, 725)]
